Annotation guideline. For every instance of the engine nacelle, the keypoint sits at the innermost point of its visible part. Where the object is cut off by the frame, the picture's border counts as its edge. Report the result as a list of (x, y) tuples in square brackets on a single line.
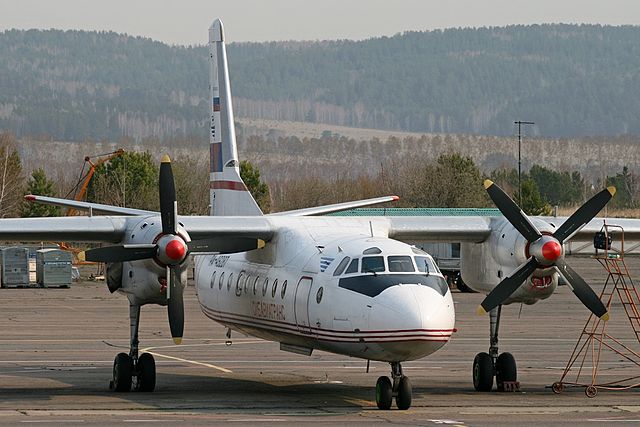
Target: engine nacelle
[(484, 265), (144, 281)]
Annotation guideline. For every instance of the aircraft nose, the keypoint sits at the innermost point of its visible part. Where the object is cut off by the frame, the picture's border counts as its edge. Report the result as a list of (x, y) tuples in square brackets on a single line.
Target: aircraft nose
[(418, 318)]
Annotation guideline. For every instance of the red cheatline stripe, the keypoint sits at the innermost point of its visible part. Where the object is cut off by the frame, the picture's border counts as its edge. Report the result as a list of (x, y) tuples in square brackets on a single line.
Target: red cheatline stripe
[(347, 336), (389, 339), (380, 339), (228, 185), (384, 331)]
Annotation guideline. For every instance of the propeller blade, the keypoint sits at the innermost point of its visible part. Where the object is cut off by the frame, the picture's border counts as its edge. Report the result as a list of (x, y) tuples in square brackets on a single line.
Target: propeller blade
[(582, 290), (511, 211), (168, 209), (175, 305), (584, 214), (121, 253), (225, 245), (508, 286)]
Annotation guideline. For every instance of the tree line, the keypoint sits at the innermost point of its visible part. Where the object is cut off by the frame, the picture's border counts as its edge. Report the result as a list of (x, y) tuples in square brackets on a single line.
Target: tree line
[(453, 180)]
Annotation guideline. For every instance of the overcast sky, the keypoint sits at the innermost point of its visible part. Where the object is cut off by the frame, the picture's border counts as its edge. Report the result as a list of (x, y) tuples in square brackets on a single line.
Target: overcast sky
[(186, 22)]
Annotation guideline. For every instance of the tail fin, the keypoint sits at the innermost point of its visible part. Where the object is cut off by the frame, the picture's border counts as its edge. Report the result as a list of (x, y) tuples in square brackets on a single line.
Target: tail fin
[(228, 194)]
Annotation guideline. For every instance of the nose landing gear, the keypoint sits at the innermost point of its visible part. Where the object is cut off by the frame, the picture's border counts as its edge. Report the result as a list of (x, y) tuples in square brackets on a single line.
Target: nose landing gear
[(127, 366), (400, 389)]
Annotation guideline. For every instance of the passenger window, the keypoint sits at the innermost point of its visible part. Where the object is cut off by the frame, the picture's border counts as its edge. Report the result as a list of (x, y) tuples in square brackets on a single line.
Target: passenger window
[(240, 283), (265, 285), (274, 288), (229, 282), (284, 289), (372, 264), (221, 281), (247, 283), (255, 285), (353, 267), (401, 264), (213, 279), (341, 266)]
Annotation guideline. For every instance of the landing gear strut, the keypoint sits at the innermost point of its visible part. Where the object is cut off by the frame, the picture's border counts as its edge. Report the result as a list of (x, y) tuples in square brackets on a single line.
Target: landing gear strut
[(400, 389), (129, 366), (488, 365)]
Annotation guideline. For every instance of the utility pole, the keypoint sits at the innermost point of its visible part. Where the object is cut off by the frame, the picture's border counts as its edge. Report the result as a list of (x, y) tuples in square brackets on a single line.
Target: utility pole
[(520, 123)]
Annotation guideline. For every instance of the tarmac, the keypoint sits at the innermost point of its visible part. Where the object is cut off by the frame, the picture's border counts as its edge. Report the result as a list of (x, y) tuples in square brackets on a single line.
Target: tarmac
[(58, 345)]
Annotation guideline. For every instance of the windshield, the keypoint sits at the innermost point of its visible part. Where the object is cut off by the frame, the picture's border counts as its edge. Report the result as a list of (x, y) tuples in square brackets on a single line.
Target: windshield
[(426, 265), (401, 263), (372, 264)]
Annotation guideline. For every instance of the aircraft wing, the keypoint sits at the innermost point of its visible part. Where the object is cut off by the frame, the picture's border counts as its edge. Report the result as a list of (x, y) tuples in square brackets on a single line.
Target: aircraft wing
[(86, 206), (337, 207), (113, 228), (630, 226), (476, 229), (78, 229)]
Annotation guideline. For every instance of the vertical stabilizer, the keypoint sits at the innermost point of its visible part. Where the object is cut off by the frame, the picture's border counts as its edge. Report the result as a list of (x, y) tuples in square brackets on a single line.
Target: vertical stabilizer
[(228, 194)]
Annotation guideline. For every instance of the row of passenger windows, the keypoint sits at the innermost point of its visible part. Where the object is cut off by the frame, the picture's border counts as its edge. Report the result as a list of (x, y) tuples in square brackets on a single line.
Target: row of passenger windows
[(392, 263), (247, 284)]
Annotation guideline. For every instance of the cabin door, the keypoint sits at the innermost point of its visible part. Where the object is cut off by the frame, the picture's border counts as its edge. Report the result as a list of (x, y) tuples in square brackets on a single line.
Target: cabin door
[(301, 303)]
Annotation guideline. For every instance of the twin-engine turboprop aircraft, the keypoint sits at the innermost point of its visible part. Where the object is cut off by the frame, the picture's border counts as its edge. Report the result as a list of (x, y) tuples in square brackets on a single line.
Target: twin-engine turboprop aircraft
[(349, 285)]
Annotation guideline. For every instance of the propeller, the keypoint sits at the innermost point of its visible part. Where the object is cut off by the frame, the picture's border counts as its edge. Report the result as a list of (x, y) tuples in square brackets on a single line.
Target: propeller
[(171, 249), (546, 250)]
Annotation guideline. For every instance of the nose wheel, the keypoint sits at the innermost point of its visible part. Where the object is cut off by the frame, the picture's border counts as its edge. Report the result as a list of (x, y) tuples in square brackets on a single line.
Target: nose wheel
[(400, 388)]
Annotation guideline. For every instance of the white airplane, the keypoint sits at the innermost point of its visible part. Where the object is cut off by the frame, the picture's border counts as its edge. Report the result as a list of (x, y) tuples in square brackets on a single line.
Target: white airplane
[(348, 285)]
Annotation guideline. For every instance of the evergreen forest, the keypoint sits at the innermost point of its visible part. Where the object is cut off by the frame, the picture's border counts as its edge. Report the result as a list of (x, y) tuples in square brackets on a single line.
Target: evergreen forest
[(572, 80)]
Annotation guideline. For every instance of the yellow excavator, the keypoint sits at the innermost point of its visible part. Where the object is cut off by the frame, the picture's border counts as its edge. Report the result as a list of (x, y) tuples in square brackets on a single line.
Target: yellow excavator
[(79, 192)]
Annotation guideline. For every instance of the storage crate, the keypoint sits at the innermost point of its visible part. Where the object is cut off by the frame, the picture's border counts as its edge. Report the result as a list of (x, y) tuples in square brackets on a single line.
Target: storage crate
[(14, 266), (53, 268)]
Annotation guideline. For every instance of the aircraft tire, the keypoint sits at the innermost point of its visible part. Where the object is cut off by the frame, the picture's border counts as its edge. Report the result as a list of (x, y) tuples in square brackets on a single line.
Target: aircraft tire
[(483, 372), (122, 370), (384, 393), (146, 373), (403, 399), (506, 370)]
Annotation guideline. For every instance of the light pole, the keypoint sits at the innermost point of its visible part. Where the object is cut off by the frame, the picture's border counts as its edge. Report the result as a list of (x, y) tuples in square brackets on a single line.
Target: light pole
[(520, 123)]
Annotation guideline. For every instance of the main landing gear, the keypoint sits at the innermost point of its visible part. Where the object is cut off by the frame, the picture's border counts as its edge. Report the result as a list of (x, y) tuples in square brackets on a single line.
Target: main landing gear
[(129, 366), (400, 389), (488, 365)]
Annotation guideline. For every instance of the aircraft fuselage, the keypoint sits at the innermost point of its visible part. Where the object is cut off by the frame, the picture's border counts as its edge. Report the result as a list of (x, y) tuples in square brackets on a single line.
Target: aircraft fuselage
[(305, 291)]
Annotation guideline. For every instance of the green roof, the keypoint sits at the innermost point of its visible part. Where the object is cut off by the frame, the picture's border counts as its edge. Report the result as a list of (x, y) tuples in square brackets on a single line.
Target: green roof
[(418, 212)]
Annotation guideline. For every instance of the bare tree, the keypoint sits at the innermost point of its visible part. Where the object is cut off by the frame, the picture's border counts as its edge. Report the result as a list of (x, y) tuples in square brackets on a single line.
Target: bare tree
[(12, 181)]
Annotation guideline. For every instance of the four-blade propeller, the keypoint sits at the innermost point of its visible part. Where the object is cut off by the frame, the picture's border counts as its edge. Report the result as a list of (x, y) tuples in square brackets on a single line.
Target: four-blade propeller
[(546, 250), (171, 249)]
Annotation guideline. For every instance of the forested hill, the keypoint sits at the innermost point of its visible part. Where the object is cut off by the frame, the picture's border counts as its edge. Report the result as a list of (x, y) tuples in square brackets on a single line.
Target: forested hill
[(571, 80)]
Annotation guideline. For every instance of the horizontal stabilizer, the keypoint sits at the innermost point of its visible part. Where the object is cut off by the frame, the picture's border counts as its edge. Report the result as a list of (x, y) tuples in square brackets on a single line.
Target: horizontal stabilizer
[(86, 206), (338, 207)]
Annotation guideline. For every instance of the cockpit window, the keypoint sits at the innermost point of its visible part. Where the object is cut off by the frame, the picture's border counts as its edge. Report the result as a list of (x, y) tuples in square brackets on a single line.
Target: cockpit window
[(372, 251), (343, 264), (372, 264), (400, 264), (353, 267), (426, 265)]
